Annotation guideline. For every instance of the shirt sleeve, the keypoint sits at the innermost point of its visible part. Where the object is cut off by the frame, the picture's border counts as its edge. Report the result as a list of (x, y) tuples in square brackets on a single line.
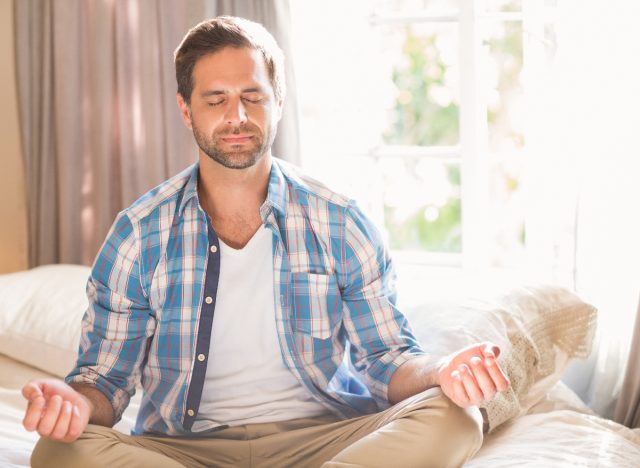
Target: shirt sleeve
[(118, 322), (380, 336)]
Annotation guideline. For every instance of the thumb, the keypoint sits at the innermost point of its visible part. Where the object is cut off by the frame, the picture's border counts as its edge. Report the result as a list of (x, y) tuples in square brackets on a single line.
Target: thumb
[(491, 351), (32, 390)]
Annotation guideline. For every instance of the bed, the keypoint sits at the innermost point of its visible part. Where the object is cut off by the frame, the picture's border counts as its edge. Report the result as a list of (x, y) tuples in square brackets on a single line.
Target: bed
[(539, 422)]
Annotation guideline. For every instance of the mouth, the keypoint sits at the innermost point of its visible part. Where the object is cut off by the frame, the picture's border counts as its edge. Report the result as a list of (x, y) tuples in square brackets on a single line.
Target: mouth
[(236, 139)]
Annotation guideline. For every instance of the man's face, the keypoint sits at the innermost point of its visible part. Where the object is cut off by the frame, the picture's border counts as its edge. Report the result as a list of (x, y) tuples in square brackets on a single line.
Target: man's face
[(233, 112)]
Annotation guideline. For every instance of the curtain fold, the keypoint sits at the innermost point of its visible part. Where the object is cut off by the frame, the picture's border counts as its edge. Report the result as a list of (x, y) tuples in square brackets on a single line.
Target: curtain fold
[(628, 406), (99, 120)]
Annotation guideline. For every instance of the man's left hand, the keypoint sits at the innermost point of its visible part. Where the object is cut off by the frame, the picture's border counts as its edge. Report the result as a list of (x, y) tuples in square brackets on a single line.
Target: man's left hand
[(472, 376)]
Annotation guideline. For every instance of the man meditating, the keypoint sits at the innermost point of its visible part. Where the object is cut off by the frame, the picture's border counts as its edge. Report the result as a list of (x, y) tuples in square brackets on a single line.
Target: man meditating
[(256, 309)]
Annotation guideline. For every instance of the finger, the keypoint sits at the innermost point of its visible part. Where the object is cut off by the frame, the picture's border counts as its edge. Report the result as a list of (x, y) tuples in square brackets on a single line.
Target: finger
[(77, 425), (470, 385), (31, 391), (33, 414), (497, 375), (62, 424), (50, 417), (491, 351), (485, 382), (459, 393)]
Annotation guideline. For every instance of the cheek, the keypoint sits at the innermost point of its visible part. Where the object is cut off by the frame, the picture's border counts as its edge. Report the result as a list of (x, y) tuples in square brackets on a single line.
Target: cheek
[(256, 113), (263, 117), (207, 119)]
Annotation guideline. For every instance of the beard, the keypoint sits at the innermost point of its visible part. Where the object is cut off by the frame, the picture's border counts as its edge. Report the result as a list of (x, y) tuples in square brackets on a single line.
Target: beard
[(239, 156)]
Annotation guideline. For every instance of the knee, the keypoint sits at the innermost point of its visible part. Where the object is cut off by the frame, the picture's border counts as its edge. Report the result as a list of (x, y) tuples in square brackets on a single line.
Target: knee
[(454, 423), (465, 423), (45, 453), (51, 454)]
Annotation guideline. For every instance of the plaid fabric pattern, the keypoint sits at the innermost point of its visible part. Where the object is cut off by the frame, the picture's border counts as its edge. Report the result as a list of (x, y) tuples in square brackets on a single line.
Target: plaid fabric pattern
[(153, 287)]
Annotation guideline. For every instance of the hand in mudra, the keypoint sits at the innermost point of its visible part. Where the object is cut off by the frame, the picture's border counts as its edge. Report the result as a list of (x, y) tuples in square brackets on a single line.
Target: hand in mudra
[(472, 376), (55, 410)]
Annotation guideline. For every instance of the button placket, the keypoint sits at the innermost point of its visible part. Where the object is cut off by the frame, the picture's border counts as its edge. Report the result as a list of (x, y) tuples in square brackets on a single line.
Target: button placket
[(207, 306)]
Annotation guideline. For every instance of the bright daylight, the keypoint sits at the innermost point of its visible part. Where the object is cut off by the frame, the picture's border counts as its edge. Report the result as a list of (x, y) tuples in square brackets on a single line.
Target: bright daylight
[(270, 233)]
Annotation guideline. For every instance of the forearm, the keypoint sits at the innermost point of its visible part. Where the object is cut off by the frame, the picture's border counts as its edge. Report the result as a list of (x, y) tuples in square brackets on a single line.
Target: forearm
[(101, 409), (414, 376)]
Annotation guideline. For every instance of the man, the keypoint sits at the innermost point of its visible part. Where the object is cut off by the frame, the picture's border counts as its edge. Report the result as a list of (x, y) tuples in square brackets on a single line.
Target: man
[(257, 308)]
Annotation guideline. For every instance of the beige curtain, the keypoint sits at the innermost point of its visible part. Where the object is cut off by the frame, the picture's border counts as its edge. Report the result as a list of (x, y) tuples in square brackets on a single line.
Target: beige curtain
[(99, 120), (628, 405)]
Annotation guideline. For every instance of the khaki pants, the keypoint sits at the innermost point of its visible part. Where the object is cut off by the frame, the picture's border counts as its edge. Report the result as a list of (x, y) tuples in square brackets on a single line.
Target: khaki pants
[(422, 431)]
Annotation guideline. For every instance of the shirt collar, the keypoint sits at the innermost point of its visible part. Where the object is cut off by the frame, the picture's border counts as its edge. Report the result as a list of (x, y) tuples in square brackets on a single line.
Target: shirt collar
[(190, 189), (276, 190)]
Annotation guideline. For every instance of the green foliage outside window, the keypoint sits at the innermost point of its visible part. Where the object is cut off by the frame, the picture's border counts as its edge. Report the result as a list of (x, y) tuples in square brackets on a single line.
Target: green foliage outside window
[(418, 120), (441, 235)]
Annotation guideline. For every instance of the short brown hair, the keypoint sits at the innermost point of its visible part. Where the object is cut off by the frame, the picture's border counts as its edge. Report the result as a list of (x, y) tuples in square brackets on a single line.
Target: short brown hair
[(217, 33)]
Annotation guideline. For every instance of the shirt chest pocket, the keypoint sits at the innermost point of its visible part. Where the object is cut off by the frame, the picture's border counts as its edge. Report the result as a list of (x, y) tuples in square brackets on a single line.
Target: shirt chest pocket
[(317, 304)]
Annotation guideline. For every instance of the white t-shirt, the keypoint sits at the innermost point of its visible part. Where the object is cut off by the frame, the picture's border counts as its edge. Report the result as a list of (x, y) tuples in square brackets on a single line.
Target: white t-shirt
[(247, 382)]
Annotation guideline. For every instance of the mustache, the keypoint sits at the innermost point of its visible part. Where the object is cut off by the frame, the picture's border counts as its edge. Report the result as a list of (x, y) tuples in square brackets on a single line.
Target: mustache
[(244, 128)]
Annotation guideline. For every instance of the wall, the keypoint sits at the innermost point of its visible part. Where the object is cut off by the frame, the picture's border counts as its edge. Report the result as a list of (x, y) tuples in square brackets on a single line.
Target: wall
[(13, 210)]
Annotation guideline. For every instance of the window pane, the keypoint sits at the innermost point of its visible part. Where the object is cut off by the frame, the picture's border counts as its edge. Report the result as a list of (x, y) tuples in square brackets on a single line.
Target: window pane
[(422, 204), (503, 56), (391, 7), (506, 209), (503, 5), (425, 75), (503, 62)]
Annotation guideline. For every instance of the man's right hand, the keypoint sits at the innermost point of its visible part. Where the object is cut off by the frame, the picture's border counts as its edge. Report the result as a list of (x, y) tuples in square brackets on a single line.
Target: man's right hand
[(55, 410)]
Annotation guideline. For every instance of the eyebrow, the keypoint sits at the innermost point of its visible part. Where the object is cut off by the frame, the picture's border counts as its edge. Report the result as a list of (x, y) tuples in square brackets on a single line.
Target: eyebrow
[(211, 93), (217, 92)]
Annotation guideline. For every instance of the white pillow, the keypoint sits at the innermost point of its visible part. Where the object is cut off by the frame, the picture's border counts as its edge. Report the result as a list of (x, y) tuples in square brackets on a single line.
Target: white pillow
[(40, 315), (539, 330)]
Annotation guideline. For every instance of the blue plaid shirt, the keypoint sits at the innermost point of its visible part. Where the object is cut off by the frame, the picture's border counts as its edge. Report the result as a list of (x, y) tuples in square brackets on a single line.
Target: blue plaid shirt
[(152, 296)]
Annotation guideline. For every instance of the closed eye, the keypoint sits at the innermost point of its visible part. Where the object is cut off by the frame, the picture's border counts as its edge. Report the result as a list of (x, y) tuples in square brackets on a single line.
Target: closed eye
[(253, 98)]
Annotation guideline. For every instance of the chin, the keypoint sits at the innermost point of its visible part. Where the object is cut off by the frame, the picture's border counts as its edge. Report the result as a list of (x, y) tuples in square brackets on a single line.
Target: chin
[(238, 160)]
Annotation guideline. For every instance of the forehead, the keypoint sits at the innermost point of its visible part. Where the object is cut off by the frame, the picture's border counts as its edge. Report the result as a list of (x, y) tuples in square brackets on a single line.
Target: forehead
[(230, 67)]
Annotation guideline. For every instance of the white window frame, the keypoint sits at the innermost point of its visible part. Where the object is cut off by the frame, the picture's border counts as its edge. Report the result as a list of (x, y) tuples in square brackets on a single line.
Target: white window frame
[(471, 153)]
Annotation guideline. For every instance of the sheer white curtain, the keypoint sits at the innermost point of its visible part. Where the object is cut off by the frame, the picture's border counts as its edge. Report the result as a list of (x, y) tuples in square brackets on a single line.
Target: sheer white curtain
[(585, 156)]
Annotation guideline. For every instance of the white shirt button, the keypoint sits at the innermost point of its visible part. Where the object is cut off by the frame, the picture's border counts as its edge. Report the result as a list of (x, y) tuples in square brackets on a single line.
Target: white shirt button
[(208, 299), (190, 412), (213, 249), (200, 357)]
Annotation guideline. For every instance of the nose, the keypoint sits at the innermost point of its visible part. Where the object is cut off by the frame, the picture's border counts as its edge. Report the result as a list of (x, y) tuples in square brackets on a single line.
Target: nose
[(236, 113)]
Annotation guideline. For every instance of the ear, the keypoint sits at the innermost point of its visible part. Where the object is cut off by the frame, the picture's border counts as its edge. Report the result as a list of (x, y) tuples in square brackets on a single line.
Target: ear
[(184, 110), (279, 106)]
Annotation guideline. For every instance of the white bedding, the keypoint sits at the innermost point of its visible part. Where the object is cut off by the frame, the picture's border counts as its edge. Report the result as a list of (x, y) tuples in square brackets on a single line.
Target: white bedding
[(15, 442), (558, 431), (540, 329)]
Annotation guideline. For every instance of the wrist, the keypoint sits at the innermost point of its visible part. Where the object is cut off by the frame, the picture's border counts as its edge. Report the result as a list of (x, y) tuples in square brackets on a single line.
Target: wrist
[(86, 393), (437, 368), (89, 404)]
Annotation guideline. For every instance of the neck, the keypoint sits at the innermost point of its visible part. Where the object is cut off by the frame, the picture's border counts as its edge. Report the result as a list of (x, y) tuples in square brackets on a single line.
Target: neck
[(224, 192)]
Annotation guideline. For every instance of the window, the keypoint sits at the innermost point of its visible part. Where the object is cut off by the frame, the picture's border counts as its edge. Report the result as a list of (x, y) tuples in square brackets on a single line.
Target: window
[(415, 108)]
